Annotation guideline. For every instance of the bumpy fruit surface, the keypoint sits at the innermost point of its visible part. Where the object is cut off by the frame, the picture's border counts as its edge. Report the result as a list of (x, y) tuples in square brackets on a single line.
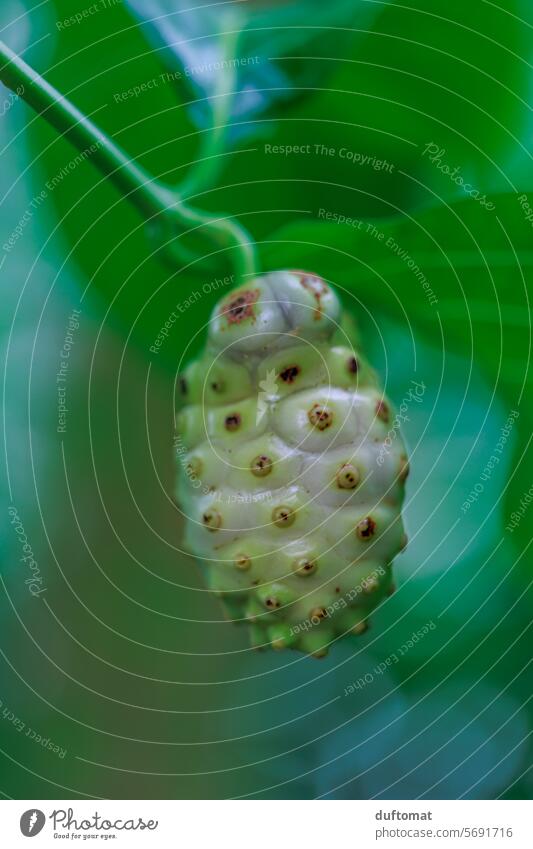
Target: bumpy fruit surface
[(287, 473)]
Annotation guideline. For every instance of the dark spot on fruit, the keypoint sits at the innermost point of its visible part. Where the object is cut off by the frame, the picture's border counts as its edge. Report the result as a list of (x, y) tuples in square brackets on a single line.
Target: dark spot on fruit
[(241, 306), (212, 520), (182, 383), (337, 589), (217, 386), (382, 411), (318, 613), (316, 286), (256, 582), (347, 477), (353, 365), (243, 562), (304, 567), (194, 468), (272, 603), (283, 516), (261, 466), (232, 422), (366, 529), (320, 417), (289, 374)]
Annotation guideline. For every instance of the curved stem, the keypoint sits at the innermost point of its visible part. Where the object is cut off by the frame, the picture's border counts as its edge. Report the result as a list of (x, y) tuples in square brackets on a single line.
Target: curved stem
[(151, 197), (205, 171), (128, 177)]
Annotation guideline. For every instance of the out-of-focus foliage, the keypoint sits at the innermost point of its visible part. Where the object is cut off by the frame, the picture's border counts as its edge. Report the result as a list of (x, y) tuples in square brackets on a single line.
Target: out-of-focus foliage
[(128, 665), (194, 40)]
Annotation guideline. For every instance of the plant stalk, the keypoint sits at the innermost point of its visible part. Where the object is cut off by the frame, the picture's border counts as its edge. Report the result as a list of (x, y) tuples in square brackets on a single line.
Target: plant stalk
[(173, 217)]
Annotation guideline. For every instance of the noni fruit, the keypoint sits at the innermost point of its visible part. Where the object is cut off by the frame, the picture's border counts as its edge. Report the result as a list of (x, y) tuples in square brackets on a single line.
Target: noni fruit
[(288, 476)]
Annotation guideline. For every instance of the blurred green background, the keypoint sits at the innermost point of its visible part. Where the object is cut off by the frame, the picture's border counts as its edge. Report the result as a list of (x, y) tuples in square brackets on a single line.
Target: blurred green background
[(123, 662)]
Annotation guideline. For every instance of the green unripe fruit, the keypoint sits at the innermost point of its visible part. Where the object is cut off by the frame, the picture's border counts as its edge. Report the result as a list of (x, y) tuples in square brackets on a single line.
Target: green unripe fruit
[(291, 494)]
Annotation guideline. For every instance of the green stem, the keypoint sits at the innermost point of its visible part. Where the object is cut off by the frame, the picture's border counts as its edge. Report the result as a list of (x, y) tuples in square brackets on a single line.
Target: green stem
[(205, 171), (151, 197)]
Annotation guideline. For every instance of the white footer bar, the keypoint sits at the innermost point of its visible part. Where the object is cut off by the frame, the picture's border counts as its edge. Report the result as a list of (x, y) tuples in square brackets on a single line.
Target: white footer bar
[(268, 824)]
